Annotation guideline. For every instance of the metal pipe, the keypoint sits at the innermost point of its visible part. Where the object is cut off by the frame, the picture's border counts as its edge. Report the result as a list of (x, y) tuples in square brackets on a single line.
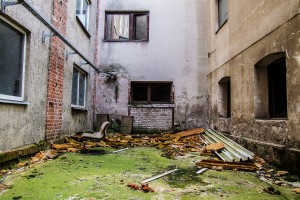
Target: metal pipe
[(57, 33)]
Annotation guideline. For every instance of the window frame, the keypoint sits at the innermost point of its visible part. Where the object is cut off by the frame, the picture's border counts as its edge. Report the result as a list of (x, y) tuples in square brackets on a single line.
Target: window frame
[(132, 28), (23, 60), (219, 25), (149, 83), (78, 88), (87, 13)]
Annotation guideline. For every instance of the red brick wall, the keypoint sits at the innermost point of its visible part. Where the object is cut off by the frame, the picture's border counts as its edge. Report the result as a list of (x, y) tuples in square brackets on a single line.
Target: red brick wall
[(149, 119), (56, 73)]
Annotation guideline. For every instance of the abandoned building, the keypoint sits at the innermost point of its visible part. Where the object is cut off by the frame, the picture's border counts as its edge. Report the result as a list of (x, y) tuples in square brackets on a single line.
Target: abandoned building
[(229, 65)]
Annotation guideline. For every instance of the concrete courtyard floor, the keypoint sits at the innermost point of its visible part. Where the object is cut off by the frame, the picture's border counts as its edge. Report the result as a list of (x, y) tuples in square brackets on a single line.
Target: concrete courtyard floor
[(75, 176)]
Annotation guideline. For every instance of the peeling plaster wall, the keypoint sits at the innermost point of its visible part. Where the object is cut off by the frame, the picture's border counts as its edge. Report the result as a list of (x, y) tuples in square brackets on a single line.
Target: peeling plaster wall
[(176, 51), (253, 31), (25, 124)]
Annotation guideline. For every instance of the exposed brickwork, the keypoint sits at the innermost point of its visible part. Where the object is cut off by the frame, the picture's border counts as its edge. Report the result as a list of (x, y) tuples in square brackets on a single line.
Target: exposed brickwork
[(56, 73), (96, 62), (151, 119)]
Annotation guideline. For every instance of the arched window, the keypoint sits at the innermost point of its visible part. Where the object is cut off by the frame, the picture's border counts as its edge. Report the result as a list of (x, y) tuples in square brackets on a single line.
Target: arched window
[(270, 87)]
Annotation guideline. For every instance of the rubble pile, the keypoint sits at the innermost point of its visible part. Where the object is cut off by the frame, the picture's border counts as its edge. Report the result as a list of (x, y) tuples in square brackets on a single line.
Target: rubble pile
[(173, 144)]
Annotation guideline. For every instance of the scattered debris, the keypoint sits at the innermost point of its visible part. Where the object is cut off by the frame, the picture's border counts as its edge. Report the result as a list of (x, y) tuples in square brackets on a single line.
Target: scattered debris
[(117, 151), (201, 170), (215, 147), (144, 187), (297, 190), (216, 164), (282, 173), (158, 176), (271, 190), (232, 151)]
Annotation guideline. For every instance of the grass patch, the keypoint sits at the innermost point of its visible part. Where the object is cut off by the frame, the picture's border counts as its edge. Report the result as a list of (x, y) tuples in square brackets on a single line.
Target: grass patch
[(80, 176)]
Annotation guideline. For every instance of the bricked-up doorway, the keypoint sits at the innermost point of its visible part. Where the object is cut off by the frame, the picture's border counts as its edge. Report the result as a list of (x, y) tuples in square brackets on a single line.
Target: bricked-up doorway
[(151, 105), (56, 72)]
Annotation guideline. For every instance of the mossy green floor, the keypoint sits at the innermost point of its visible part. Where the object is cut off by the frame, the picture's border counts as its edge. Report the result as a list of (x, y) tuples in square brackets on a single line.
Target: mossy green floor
[(77, 176)]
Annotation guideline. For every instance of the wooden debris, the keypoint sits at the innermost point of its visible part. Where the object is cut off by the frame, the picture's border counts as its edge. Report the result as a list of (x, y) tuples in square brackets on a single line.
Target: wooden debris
[(60, 147), (133, 186), (146, 188), (281, 173), (215, 147), (243, 166), (297, 190), (51, 154)]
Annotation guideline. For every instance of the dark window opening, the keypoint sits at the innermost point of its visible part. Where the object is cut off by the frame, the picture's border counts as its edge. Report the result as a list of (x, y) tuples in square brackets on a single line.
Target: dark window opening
[(277, 89), (127, 26), (224, 98), (11, 62), (151, 92)]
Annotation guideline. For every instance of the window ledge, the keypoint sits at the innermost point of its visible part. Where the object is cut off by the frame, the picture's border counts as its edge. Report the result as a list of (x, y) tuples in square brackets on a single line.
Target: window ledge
[(272, 120), (105, 40), (83, 27), (225, 118), (152, 106), (78, 108), (14, 102)]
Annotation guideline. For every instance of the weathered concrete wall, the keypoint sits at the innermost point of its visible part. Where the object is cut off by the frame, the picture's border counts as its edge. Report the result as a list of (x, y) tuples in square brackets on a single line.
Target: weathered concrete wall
[(253, 31), (25, 124), (176, 51)]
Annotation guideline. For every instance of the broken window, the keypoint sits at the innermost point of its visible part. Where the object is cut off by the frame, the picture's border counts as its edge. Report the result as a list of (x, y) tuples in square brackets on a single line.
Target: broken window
[(127, 26), (224, 107), (12, 54), (82, 12), (153, 92), (222, 12), (270, 86), (78, 88)]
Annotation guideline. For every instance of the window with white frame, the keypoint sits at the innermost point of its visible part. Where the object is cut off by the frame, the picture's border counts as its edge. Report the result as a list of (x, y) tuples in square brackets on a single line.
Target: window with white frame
[(12, 61), (82, 12), (78, 88)]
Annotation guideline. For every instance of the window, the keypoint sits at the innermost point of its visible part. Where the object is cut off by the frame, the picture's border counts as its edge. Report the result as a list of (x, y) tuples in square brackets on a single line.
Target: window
[(224, 107), (82, 12), (153, 92), (78, 88), (270, 87), (222, 12), (127, 26), (12, 61)]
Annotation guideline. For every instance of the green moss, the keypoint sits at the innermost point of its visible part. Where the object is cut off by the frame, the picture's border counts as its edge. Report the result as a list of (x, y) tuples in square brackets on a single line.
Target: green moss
[(80, 176)]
